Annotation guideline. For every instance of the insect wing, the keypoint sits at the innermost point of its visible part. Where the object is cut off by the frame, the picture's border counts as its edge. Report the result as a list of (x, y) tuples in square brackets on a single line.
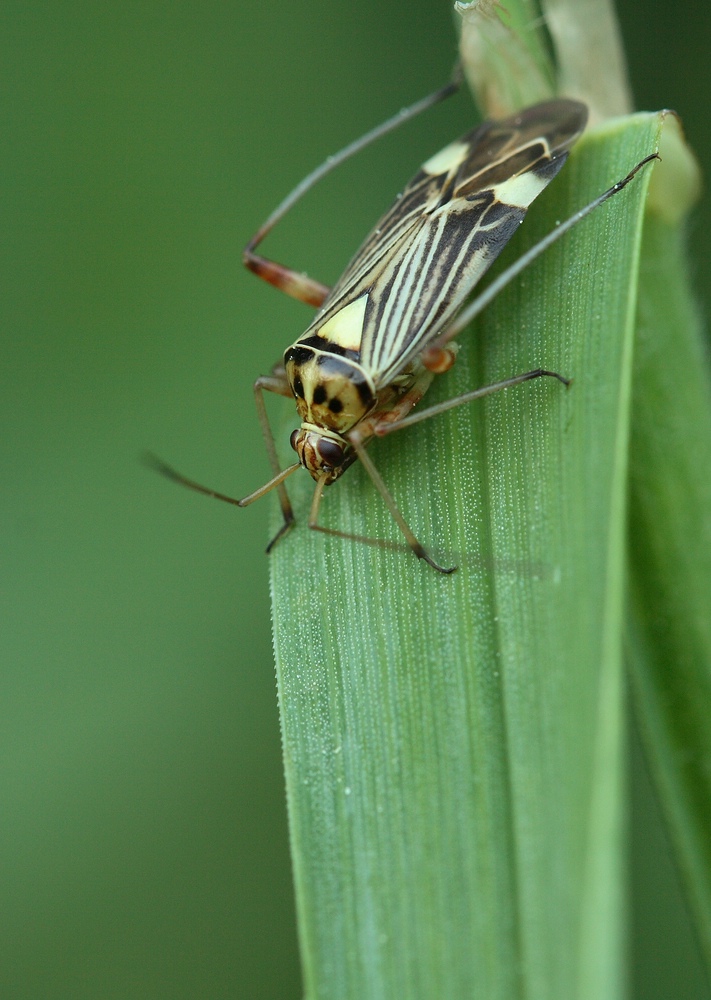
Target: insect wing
[(417, 266)]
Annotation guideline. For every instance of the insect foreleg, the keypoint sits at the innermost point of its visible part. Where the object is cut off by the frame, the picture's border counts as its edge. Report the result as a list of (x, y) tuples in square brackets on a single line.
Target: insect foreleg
[(416, 546), (276, 382), (315, 526), (386, 427)]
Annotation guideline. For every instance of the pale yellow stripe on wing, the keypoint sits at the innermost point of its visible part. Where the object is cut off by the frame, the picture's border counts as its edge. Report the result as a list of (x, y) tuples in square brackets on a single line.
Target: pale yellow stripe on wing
[(345, 328), (447, 159), (520, 191)]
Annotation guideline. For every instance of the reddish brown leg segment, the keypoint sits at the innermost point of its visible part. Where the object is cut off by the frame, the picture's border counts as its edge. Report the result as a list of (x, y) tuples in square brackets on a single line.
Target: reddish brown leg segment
[(293, 283)]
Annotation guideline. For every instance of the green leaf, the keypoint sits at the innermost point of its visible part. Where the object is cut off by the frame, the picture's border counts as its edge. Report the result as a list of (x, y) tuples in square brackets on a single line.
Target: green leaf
[(453, 745), (669, 633)]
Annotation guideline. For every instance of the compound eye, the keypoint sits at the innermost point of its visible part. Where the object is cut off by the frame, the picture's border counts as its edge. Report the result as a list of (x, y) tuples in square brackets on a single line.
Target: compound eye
[(330, 452), (293, 439)]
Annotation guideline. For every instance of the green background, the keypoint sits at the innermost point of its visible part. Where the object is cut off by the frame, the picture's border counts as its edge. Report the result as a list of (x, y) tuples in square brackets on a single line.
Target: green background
[(143, 838)]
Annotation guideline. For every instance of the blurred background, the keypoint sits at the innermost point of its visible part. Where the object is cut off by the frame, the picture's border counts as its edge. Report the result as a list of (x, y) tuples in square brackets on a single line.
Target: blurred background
[(143, 837)]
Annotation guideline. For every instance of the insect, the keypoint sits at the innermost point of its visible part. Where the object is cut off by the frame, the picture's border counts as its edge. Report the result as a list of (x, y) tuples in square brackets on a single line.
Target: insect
[(386, 328)]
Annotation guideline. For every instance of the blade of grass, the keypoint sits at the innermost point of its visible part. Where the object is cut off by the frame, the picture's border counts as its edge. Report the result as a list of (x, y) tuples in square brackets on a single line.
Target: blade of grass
[(505, 61), (589, 55), (669, 635), (452, 745)]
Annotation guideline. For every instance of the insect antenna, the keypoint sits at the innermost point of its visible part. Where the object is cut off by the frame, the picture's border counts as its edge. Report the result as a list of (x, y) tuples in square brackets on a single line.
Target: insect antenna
[(158, 465), (405, 114), (276, 481)]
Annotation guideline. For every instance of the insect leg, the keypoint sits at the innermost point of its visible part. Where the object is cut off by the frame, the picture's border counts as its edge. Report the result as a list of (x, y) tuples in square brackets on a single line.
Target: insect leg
[(315, 526), (416, 546), (364, 539), (276, 382), (386, 427), (292, 282)]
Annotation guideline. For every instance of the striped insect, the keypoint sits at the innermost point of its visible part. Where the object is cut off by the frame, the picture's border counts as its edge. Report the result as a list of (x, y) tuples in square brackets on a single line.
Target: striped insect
[(386, 328)]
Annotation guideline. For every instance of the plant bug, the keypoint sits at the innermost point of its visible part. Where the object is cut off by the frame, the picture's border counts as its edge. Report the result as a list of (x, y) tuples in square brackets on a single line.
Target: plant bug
[(386, 328)]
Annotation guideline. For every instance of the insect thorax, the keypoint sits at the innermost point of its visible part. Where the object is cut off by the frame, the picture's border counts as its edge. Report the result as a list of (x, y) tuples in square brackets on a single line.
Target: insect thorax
[(331, 391)]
